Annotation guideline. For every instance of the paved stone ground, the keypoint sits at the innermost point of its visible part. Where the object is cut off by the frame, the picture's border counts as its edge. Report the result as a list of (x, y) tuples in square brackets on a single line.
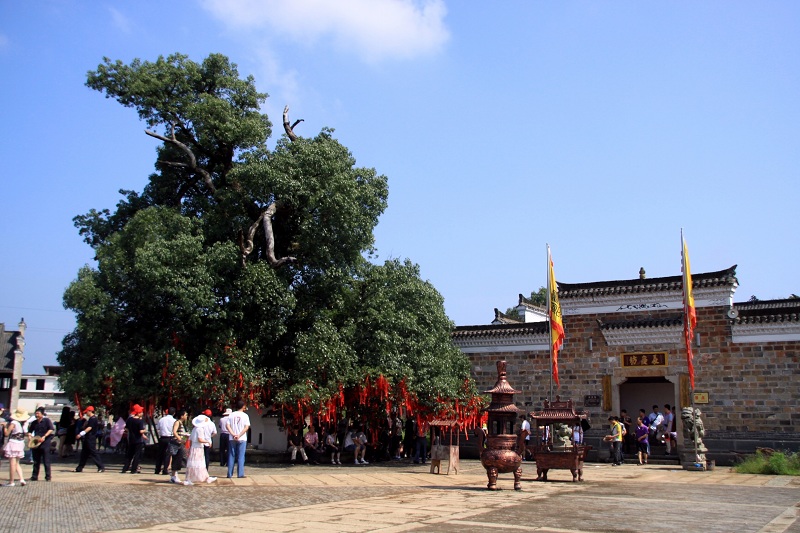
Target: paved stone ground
[(402, 497)]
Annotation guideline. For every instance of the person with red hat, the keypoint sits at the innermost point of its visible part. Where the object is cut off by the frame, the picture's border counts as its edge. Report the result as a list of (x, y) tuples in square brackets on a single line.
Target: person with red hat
[(136, 430), (88, 435)]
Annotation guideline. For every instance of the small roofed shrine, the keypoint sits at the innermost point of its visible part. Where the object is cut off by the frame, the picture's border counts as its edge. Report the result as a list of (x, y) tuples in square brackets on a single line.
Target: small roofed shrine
[(553, 446), (442, 450), (500, 454)]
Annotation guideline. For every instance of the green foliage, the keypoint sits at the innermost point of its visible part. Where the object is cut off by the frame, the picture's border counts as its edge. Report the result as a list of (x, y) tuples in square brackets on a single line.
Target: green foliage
[(239, 271), (777, 463)]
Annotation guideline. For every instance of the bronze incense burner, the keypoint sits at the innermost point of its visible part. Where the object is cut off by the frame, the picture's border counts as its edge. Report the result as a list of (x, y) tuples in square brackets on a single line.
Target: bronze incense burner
[(500, 454)]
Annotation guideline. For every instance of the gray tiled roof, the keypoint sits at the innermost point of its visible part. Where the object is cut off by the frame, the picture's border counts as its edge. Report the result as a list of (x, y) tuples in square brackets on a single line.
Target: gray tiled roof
[(765, 311), (725, 277), (527, 302), (504, 318), (501, 330), (676, 320)]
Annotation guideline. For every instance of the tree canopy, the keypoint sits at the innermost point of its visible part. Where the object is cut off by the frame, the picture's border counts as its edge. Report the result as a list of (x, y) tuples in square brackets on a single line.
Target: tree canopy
[(240, 272)]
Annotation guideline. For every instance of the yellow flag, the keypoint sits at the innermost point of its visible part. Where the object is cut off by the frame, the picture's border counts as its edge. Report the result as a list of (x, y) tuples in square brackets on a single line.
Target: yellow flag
[(689, 311), (554, 312)]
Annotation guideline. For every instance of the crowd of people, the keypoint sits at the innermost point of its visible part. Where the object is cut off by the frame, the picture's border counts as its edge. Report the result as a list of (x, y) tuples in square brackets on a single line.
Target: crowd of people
[(32, 439), (393, 440), (627, 438), (184, 444), (179, 443)]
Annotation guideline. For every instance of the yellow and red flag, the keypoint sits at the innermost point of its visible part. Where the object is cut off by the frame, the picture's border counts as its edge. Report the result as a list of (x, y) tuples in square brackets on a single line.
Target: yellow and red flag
[(689, 312), (554, 312)]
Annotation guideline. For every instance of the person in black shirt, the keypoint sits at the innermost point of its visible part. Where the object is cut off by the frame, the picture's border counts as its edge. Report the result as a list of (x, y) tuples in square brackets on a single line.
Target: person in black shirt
[(136, 430), (41, 430), (88, 435)]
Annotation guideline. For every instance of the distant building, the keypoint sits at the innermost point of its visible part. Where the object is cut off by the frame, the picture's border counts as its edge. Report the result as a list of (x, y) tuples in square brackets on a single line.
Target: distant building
[(42, 389), (12, 348), (624, 350)]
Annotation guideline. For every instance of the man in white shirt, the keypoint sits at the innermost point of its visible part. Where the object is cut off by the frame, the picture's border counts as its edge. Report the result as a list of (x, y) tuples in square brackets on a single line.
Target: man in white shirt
[(524, 436), (224, 437), (656, 419), (237, 426), (164, 429)]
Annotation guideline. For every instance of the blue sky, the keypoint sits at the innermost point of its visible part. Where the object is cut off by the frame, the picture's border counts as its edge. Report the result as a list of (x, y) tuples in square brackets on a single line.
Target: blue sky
[(602, 128)]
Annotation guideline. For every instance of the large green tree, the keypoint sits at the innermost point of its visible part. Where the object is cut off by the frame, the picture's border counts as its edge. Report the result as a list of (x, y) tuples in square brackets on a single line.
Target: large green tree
[(239, 270)]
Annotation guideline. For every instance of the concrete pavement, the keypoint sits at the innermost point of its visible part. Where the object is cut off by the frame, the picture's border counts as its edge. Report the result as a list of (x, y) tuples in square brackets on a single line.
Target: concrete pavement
[(400, 496)]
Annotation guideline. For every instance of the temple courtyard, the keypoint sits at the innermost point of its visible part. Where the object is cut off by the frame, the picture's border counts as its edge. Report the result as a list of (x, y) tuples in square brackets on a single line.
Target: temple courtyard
[(400, 496)]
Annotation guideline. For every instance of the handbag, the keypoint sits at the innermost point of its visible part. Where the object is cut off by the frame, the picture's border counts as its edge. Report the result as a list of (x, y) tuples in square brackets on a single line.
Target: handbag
[(174, 447)]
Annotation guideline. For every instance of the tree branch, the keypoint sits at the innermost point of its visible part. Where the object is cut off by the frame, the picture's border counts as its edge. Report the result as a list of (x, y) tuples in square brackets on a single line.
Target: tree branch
[(269, 237), (246, 243), (192, 165), (289, 128)]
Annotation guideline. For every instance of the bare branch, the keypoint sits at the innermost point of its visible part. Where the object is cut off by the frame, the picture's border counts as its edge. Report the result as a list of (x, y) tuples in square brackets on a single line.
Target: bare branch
[(192, 165), (246, 242), (289, 128), (269, 237)]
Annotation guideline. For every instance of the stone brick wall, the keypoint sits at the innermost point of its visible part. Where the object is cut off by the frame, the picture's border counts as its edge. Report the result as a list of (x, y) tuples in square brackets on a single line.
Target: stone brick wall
[(753, 388)]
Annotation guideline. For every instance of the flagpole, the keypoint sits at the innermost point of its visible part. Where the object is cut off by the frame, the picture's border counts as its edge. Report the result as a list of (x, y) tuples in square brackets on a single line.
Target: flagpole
[(688, 344), (550, 321)]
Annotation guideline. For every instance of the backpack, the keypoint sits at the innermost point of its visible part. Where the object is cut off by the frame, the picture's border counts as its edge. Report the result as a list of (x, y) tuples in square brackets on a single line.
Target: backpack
[(585, 424)]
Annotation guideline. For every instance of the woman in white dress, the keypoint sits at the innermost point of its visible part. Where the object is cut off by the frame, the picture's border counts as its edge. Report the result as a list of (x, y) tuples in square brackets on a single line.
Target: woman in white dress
[(196, 471), (14, 450)]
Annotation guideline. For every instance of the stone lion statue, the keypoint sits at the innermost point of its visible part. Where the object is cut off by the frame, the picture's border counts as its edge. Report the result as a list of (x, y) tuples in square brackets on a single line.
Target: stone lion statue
[(563, 436), (689, 426)]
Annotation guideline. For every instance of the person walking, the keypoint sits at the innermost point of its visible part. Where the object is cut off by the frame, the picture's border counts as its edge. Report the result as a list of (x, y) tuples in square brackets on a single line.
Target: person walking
[(164, 429), (642, 442), (87, 437), (615, 438), (238, 425), (14, 450), (208, 430), (176, 445), (41, 431), (524, 436), (5, 419), (196, 469), (66, 438), (136, 430)]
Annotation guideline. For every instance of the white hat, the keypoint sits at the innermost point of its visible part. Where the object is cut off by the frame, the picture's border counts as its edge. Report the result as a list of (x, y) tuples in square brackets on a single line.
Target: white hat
[(199, 420), (228, 411)]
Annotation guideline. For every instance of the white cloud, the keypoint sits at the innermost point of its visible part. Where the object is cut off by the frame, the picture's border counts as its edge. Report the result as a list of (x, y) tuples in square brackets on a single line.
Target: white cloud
[(281, 85), (374, 30), (120, 21)]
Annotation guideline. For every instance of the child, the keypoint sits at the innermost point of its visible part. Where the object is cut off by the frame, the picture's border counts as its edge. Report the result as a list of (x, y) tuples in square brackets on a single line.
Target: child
[(642, 441)]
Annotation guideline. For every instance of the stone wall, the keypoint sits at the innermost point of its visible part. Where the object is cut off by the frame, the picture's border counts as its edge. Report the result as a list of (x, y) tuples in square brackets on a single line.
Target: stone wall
[(753, 388)]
